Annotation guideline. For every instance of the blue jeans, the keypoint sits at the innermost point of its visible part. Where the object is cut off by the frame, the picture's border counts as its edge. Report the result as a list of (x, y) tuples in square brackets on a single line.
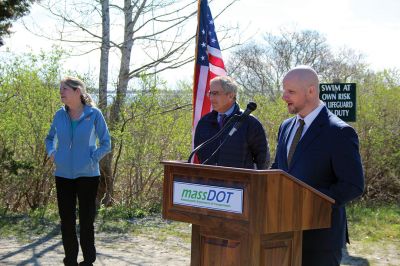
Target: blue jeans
[(85, 190)]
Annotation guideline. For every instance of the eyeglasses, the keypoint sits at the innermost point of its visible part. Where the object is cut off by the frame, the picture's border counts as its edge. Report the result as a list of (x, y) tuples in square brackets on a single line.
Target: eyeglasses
[(216, 93)]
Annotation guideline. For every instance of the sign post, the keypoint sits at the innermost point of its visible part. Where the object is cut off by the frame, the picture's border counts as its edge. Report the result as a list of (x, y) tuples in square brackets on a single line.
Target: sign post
[(340, 99)]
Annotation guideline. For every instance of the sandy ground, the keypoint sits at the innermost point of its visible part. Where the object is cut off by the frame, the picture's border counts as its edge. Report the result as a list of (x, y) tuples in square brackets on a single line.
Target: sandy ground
[(111, 250), (123, 249)]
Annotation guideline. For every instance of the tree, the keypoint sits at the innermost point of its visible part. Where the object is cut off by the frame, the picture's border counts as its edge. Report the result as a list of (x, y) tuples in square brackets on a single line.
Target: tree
[(260, 67), (11, 10), (345, 66)]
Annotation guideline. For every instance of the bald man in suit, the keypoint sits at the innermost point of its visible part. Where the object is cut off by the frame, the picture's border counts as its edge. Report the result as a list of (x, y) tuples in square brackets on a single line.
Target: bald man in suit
[(321, 150)]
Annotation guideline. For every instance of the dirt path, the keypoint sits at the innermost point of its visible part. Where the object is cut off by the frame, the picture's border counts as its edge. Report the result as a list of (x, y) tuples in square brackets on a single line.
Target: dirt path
[(111, 250), (148, 248)]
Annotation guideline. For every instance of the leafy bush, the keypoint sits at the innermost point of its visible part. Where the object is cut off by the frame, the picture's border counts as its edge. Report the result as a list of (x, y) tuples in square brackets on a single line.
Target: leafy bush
[(28, 100), (155, 125), (378, 126)]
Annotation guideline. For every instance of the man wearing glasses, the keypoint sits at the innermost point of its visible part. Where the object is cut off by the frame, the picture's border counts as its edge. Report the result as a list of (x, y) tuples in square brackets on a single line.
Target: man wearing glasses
[(246, 148)]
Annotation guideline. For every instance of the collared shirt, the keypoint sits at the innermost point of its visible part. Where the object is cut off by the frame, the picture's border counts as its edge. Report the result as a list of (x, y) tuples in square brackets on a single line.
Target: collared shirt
[(307, 123), (227, 113)]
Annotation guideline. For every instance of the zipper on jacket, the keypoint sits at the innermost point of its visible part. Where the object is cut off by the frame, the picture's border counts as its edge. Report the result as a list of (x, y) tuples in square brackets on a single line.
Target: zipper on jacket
[(70, 142), (71, 130)]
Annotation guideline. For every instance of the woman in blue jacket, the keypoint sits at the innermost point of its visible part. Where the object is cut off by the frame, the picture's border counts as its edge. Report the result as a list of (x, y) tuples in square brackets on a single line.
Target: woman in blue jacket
[(71, 144)]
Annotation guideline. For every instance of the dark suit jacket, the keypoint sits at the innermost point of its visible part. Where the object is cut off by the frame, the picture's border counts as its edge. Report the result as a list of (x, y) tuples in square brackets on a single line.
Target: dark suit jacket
[(248, 146), (328, 159)]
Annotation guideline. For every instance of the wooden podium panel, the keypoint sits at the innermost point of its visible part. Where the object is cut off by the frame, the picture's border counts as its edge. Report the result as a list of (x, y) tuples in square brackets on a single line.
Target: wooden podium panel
[(217, 251), (281, 249), (263, 228)]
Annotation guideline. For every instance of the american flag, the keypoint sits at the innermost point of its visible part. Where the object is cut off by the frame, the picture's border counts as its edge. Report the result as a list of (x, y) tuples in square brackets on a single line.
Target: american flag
[(209, 63)]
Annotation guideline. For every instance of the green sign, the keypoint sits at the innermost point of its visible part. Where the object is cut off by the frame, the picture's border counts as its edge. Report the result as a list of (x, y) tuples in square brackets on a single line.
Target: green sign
[(340, 99)]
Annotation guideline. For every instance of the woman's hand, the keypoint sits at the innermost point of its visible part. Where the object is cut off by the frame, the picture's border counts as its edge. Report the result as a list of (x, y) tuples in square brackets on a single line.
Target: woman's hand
[(52, 157)]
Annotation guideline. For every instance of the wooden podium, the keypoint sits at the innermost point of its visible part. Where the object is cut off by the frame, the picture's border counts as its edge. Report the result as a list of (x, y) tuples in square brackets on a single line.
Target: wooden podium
[(240, 216)]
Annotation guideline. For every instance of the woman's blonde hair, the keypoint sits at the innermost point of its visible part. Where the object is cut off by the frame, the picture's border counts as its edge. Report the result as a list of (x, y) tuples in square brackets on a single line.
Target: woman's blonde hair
[(75, 84)]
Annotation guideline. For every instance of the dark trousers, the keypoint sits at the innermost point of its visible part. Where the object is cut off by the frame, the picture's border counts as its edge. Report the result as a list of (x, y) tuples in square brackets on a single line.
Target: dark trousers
[(85, 190), (321, 258)]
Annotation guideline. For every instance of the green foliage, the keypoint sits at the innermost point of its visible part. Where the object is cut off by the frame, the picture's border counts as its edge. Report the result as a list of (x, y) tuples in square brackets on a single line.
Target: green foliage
[(42, 221), (116, 219), (378, 126), (154, 126), (371, 223), (28, 100), (271, 113), (122, 212)]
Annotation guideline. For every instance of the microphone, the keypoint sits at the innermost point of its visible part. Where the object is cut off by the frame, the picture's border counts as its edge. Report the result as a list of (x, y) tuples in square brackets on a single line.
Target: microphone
[(251, 106), (222, 130)]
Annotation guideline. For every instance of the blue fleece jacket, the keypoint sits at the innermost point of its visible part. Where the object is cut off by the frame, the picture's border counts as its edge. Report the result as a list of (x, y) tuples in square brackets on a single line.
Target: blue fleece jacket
[(76, 153)]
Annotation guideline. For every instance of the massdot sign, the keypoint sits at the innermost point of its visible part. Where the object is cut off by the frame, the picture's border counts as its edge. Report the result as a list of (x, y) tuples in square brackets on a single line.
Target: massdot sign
[(208, 197), (340, 99)]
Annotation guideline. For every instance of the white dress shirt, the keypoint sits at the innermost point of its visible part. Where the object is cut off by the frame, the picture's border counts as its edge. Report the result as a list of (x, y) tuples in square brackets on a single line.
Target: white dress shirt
[(307, 123)]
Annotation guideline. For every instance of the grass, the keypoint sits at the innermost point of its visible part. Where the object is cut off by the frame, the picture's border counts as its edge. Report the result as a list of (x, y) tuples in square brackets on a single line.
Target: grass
[(374, 234), (28, 225), (374, 222), (368, 223), (374, 230), (163, 230), (140, 222), (152, 226), (112, 220)]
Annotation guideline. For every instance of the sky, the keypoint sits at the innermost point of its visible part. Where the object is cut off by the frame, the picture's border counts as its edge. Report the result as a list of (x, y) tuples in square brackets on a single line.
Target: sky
[(370, 27)]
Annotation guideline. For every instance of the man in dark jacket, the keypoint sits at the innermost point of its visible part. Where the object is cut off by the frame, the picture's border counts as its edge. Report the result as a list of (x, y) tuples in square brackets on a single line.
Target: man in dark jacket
[(321, 150), (246, 148)]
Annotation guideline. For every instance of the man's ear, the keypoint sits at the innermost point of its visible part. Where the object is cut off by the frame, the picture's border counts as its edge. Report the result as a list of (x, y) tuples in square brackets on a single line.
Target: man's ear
[(312, 90)]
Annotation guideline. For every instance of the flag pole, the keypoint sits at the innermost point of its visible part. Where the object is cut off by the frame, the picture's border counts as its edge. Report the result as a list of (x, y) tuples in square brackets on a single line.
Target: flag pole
[(195, 58), (194, 86)]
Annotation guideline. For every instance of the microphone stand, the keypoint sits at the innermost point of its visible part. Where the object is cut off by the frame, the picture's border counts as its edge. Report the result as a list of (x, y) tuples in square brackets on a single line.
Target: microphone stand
[(230, 121), (233, 130), (217, 149)]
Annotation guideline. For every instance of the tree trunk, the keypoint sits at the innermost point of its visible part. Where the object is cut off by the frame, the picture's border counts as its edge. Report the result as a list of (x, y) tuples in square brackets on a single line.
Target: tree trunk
[(106, 185), (126, 50), (104, 57)]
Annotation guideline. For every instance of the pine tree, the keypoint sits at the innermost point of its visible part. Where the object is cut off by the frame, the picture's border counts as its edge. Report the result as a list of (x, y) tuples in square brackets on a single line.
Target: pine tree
[(10, 11)]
